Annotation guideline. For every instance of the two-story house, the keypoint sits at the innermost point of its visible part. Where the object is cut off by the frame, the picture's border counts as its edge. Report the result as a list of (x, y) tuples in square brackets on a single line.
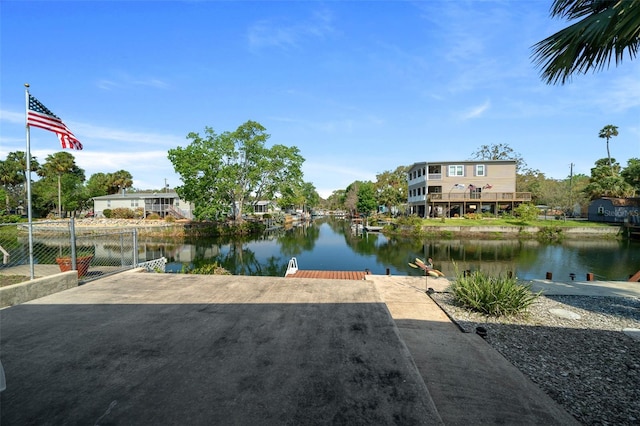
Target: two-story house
[(454, 188)]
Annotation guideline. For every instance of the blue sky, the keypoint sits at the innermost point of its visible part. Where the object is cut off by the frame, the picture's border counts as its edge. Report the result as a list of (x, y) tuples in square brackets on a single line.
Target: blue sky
[(359, 87)]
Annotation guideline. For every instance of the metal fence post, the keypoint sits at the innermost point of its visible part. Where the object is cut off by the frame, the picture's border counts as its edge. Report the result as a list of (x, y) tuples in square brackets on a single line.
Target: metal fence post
[(135, 247), (72, 231)]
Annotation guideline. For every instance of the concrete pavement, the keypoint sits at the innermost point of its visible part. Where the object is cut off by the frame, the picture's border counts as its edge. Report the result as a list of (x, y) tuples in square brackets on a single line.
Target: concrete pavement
[(142, 348)]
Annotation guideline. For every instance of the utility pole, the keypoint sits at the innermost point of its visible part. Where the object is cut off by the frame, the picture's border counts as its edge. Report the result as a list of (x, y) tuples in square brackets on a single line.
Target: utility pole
[(571, 187)]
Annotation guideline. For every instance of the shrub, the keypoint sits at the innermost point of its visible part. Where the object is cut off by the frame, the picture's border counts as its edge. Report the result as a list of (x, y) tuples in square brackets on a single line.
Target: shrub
[(107, 213), (495, 296), (551, 234), (122, 213), (153, 216), (208, 269), (526, 212), (169, 219)]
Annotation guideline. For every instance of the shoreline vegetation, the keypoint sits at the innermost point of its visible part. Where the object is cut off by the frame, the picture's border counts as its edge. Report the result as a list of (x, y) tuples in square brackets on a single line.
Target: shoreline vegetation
[(550, 230)]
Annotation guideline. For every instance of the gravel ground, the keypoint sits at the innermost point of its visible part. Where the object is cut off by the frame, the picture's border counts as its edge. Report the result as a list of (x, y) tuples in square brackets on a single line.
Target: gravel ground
[(579, 350)]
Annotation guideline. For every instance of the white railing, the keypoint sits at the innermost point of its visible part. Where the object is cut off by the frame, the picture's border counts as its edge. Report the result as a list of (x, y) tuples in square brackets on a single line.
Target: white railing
[(292, 268)]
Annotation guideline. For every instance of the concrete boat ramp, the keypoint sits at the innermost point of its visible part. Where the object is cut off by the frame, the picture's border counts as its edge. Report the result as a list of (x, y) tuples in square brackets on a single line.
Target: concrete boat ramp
[(143, 348)]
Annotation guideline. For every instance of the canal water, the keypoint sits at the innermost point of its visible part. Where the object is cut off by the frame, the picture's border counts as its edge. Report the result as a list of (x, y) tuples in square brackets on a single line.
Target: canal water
[(329, 244)]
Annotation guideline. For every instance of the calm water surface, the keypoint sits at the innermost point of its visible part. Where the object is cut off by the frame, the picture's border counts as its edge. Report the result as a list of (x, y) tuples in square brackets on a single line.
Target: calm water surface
[(331, 245)]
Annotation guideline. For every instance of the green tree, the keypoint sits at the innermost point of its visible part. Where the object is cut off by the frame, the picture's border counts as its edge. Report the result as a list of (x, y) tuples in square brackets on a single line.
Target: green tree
[(335, 201), (119, 180), (311, 196), (56, 165), (607, 132), (631, 173), (501, 151), (13, 176), (391, 187), (606, 29), (222, 172), (607, 182), (98, 185), (366, 198), (532, 181)]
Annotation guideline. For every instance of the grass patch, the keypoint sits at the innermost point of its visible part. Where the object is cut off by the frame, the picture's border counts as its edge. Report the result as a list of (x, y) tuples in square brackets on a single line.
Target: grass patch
[(6, 280), (490, 295), (510, 221)]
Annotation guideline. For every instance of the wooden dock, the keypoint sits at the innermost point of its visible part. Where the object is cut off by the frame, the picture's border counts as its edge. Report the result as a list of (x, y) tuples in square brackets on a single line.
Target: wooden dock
[(330, 275)]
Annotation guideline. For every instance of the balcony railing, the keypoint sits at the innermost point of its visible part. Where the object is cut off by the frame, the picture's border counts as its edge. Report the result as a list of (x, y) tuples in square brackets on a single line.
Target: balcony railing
[(484, 196)]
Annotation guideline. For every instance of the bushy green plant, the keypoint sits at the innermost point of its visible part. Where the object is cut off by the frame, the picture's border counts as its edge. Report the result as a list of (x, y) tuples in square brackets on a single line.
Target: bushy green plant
[(490, 295), (208, 269), (412, 220), (107, 213), (153, 216), (122, 213), (526, 212), (10, 218), (169, 219), (551, 234)]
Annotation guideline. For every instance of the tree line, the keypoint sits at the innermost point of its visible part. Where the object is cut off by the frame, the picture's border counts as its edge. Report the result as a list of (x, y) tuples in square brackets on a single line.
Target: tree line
[(62, 188)]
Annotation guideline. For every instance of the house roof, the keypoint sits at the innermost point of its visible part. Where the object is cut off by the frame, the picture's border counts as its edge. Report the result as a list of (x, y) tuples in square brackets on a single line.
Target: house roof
[(623, 202), (435, 163), (137, 196)]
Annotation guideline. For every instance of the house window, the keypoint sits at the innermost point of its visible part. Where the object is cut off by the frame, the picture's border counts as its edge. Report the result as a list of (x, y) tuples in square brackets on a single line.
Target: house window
[(109, 203), (456, 171), (480, 170), (134, 203)]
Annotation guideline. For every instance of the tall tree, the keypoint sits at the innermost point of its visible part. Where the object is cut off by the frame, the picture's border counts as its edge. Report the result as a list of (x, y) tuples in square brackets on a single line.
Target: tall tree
[(98, 184), (631, 173), (221, 172), (607, 182), (607, 132), (391, 187), (606, 29), (500, 151), (57, 165), (119, 180), (366, 198)]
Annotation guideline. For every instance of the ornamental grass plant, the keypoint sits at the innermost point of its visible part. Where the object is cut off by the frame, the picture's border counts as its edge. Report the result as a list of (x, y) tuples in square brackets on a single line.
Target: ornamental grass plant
[(491, 295)]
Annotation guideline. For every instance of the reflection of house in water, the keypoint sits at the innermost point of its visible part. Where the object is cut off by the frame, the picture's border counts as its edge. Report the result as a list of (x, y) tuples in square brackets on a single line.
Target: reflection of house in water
[(180, 253), (161, 203)]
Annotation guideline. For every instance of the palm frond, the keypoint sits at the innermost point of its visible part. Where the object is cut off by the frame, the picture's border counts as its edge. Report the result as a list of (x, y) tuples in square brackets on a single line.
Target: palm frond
[(607, 30)]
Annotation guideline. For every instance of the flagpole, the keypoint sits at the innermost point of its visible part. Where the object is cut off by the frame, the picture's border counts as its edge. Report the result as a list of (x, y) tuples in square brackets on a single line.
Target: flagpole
[(28, 183)]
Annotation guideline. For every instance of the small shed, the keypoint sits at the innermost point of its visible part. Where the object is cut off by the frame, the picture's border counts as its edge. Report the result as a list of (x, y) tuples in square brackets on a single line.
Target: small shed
[(615, 210)]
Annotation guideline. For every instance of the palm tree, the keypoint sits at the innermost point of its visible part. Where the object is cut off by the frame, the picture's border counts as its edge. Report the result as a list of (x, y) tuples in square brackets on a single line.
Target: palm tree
[(606, 28), (56, 165), (607, 133), (121, 179)]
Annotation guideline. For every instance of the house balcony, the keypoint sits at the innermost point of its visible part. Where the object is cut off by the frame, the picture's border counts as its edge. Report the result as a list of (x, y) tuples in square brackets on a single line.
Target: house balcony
[(484, 196)]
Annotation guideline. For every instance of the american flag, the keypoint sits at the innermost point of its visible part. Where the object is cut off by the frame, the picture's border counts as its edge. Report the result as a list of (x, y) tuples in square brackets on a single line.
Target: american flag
[(40, 116)]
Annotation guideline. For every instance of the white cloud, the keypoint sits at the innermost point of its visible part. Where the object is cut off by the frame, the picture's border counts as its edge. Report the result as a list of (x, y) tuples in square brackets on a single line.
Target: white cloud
[(12, 117), (123, 81), (285, 35), (110, 134), (477, 111)]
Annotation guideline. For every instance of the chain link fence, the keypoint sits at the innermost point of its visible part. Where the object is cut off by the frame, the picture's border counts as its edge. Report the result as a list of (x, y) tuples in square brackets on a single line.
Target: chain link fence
[(56, 242)]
